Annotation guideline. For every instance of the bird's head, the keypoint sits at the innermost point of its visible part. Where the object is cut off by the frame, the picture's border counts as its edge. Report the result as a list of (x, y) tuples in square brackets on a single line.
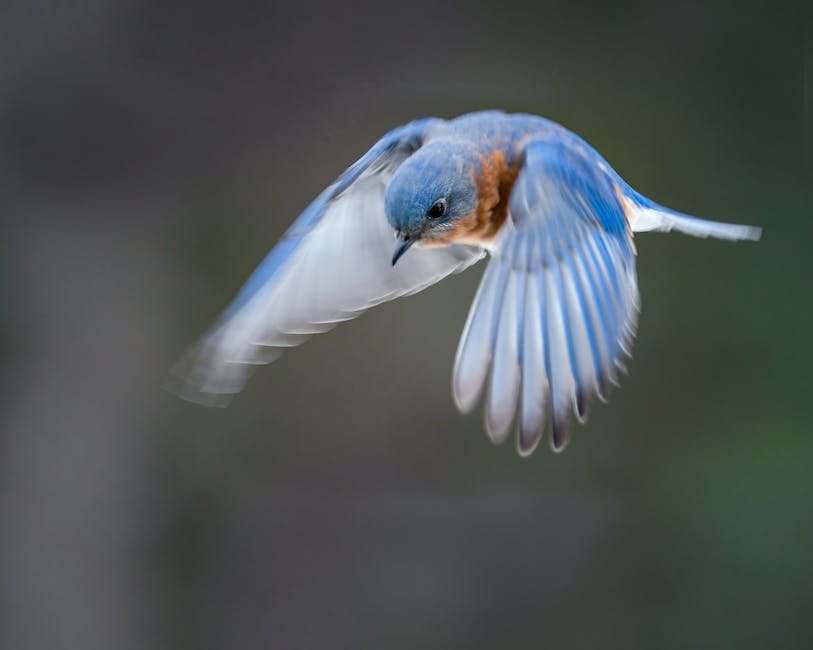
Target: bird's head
[(429, 192)]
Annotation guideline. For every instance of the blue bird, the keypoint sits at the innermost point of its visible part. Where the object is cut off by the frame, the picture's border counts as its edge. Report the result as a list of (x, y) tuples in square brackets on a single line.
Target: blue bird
[(556, 310)]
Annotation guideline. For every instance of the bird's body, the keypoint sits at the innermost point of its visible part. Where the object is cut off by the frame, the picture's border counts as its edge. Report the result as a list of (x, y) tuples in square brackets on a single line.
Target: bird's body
[(557, 308)]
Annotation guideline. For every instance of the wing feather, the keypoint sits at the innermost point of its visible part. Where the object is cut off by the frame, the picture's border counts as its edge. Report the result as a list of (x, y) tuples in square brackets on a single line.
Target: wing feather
[(505, 370), (474, 351), (534, 376), (332, 264), (562, 281)]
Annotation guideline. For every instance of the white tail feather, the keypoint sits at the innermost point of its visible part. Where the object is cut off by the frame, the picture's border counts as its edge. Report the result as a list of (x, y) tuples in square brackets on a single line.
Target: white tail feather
[(643, 219)]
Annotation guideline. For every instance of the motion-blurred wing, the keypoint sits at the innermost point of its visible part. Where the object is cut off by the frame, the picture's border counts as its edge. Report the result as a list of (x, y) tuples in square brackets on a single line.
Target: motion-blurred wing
[(333, 263), (557, 307)]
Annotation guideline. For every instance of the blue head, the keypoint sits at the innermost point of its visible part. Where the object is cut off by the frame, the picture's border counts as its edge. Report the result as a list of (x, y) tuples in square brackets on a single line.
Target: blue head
[(431, 190)]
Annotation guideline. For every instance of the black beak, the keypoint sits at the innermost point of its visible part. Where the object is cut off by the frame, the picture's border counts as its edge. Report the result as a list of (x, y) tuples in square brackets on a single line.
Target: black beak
[(404, 242)]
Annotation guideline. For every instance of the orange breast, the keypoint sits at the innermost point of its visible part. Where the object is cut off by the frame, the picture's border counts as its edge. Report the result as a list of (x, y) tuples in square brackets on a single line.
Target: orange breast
[(493, 191)]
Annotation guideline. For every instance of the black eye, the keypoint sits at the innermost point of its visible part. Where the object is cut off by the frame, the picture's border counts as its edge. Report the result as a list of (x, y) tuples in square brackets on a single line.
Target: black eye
[(437, 210)]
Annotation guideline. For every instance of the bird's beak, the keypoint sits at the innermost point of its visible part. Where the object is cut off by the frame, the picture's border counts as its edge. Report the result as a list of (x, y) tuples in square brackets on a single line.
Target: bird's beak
[(404, 242)]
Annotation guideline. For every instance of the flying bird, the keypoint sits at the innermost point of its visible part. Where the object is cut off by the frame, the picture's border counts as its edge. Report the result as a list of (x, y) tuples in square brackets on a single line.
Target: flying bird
[(556, 311)]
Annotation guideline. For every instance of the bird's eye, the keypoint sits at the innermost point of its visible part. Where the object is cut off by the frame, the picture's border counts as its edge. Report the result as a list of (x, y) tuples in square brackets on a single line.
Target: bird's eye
[(437, 210)]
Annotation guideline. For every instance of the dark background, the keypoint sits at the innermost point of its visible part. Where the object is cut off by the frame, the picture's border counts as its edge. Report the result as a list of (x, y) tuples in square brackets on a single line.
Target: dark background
[(151, 152)]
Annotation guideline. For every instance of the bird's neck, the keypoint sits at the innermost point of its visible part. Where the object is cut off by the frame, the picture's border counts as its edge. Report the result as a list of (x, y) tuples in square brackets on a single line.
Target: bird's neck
[(494, 179)]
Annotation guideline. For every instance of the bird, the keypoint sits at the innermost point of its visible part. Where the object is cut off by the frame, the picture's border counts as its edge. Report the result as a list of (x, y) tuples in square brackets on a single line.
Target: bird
[(552, 323)]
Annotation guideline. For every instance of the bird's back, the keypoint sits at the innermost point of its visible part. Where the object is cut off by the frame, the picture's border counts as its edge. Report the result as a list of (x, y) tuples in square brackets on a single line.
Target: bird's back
[(499, 131)]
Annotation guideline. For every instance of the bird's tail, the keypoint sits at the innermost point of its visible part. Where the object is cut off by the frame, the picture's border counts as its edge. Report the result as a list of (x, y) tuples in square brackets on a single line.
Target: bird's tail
[(645, 215)]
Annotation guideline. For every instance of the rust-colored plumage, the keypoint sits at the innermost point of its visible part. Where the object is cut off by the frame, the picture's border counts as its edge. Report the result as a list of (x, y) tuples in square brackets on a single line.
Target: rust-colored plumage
[(494, 185)]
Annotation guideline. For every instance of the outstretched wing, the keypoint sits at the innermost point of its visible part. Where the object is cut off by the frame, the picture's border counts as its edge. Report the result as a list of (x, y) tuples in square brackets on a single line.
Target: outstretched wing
[(331, 265), (557, 307)]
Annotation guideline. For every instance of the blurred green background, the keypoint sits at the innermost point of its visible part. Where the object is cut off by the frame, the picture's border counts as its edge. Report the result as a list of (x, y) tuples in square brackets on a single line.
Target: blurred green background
[(150, 154)]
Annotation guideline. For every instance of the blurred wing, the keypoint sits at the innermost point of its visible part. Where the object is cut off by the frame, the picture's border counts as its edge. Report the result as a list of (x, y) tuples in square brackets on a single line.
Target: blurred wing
[(333, 263), (557, 307)]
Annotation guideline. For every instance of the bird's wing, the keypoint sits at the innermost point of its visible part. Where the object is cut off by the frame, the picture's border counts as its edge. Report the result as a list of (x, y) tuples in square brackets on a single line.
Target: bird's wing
[(333, 263), (557, 307)]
